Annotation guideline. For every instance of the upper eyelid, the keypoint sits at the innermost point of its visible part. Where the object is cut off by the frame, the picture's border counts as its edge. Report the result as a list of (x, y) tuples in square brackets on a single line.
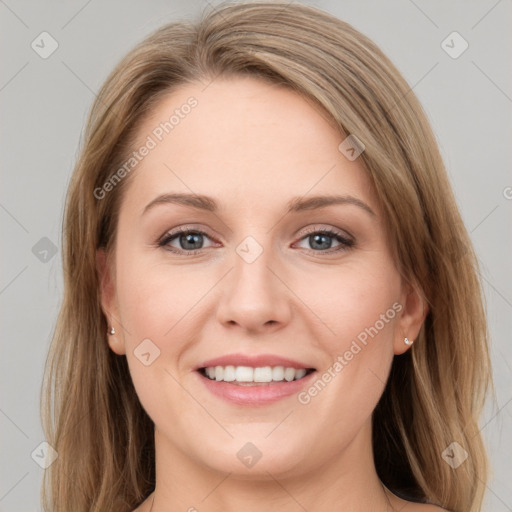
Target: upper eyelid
[(205, 231), (186, 229), (337, 231)]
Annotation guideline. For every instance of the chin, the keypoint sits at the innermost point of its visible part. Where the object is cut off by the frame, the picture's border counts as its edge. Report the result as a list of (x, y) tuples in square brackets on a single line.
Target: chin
[(254, 457)]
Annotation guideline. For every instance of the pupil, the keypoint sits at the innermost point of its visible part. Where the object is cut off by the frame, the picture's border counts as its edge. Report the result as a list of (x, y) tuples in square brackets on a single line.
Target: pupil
[(317, 239), (191, 238)]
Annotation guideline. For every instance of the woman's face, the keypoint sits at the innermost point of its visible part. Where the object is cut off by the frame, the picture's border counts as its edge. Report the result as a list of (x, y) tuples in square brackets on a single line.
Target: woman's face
[(254, 281)]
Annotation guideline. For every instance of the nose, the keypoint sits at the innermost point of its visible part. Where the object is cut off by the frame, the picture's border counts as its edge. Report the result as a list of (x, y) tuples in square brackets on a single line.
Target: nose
[(254, 296)]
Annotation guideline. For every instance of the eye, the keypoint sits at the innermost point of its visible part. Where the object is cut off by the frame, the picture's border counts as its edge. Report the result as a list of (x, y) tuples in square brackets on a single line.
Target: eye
[(189, 241), (322, 240)]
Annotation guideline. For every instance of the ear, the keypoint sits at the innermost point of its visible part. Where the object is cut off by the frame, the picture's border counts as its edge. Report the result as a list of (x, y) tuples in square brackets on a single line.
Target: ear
[(109, 301), (413, 314)]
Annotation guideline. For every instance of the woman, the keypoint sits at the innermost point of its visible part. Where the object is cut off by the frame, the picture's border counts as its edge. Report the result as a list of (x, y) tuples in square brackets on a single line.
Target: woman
[(271, 301)]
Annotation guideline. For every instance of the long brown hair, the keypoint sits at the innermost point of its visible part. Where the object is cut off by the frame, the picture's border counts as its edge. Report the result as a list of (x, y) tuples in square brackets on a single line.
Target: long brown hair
[(436, 390)]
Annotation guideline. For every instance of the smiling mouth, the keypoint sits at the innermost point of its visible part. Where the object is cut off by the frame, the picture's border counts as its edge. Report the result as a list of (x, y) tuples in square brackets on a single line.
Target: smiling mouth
[(254, 376)]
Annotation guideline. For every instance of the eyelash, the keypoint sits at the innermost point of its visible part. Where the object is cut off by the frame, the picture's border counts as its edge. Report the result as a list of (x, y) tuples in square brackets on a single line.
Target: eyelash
[(345, 243)]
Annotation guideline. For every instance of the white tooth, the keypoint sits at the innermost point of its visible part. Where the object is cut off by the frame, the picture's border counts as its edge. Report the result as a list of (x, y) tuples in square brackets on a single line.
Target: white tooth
[(300, 373), (250, 374), (219, 373), (263, 374), (229, 373), (278, 373), (289, 374), (244, 374)]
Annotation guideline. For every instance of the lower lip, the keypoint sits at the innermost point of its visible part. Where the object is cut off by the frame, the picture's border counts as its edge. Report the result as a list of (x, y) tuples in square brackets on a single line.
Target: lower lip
[(259, 394)]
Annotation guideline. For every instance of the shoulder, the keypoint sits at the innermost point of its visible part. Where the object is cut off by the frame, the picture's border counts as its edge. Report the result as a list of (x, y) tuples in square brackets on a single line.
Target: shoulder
[(412, 506)]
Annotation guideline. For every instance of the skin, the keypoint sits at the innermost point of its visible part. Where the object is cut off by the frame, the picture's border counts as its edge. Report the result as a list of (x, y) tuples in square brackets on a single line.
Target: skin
[(253, 147)]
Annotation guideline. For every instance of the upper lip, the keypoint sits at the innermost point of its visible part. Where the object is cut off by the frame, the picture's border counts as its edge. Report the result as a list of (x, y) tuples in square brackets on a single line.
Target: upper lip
[(254, 361)]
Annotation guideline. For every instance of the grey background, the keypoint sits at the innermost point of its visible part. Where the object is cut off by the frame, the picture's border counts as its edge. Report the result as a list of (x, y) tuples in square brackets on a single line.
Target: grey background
[(44, 103)]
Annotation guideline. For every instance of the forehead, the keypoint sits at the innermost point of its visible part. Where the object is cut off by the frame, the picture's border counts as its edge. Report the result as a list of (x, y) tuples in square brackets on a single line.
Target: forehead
[(242, 138)]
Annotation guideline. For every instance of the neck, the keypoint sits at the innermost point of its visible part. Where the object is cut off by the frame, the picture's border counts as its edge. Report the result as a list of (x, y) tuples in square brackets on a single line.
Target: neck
[(348, 481)]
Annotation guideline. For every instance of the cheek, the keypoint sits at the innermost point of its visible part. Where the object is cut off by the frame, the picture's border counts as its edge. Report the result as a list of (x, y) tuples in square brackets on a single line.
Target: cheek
[(362, 310), (358, 303), (160, 303), (351, 302), (156, 308), (156, 300)]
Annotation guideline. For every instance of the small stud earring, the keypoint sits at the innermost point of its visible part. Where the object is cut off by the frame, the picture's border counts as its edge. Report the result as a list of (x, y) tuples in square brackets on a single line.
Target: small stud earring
[(112, 331), (407, 341)]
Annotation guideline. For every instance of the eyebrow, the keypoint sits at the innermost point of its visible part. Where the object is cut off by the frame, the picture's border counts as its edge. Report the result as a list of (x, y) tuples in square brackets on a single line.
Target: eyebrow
[(296, 204)]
